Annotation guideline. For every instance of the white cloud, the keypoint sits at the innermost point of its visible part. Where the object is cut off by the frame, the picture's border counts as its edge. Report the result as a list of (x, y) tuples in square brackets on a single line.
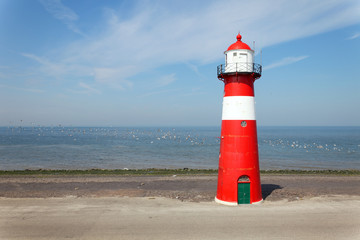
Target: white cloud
[(58, 69), (33, 90), (46, 66), (166, 80), (36, 58), (114, 77), (354, 36), (158, 92), (195, 69), (88, 89), (155, 34), (284, 61), (62, 13)]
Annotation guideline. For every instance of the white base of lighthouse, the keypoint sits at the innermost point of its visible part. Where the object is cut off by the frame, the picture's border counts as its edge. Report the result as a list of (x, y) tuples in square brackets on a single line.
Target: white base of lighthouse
[(234, 203), (225, 203)]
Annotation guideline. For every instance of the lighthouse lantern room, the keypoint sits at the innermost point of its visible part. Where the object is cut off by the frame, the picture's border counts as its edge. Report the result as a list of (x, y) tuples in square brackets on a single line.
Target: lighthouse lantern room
[(239, 176)]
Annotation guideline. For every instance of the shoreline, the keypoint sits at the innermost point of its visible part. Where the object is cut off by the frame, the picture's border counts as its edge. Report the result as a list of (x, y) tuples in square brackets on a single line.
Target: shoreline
[(183, 187), (165, 171)]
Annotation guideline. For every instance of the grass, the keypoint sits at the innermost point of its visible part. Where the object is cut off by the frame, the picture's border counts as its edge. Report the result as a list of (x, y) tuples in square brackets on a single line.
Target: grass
[(155, 171)]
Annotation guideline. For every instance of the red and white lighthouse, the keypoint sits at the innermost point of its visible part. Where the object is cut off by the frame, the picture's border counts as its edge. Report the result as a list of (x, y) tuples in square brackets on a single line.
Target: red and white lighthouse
[(239, 176)]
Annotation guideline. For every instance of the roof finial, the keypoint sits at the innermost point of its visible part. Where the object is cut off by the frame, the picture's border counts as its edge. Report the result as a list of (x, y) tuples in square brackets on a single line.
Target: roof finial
[(238, 44), (238, 37)]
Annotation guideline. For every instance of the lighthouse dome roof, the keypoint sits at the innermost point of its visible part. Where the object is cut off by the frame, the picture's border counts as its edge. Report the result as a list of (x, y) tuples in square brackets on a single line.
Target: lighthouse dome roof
[(238, 44)]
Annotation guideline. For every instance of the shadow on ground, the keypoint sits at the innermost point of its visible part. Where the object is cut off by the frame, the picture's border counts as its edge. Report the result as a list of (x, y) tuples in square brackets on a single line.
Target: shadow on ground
[(267, 189)]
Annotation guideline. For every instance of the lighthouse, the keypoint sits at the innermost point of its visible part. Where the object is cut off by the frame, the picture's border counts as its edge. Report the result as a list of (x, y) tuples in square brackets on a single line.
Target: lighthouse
[(239, 174)]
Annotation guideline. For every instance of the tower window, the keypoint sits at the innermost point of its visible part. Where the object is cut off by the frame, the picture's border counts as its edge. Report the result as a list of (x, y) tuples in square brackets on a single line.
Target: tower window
[(244, 178), (234, 54)]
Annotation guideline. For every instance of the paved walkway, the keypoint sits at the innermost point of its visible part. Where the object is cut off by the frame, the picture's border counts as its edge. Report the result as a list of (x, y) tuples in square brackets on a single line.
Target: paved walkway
[(159, 218)]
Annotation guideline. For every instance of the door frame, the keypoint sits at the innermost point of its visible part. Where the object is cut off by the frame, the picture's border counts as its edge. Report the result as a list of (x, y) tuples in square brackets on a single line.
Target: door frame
[(244, 179)]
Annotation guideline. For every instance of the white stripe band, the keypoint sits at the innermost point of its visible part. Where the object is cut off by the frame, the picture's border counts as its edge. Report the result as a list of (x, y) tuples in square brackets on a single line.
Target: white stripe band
[(238, 108)]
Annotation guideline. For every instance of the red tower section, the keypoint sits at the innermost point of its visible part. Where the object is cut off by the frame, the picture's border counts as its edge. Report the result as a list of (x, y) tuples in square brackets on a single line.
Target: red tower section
[(239, 176)]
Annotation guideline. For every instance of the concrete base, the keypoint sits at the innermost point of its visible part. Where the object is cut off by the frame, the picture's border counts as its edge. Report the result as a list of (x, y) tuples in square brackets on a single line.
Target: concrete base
[(225, 203), (258, 202), (234, 203)]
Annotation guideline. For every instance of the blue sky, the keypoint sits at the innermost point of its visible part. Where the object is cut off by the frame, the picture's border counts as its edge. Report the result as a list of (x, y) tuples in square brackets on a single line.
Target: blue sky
[(153, 63)]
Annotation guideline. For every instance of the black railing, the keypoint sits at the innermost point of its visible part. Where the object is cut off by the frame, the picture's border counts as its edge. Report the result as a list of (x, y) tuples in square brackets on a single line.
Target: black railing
[(243, 68)]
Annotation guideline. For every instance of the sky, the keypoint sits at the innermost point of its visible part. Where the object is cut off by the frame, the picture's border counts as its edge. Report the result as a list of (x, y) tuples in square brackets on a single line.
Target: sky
[(153, 63)]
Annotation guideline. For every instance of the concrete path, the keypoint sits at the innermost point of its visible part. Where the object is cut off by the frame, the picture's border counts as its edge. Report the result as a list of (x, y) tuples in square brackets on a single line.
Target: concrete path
[(327, 218)]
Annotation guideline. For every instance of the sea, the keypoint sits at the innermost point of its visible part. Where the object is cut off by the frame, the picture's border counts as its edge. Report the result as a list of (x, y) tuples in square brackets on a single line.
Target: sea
[(301, 148)]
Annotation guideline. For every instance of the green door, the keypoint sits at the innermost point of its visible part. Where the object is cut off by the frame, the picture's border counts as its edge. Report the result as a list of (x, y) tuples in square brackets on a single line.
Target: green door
[(243, 193)]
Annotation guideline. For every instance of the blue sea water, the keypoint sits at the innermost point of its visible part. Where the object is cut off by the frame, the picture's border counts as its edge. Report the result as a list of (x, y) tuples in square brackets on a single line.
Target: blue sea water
[(178, 147)]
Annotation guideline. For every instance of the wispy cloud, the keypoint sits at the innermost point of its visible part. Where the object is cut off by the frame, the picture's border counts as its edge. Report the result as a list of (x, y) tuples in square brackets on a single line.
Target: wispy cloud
[(158, 92), (46, 66), (42, 61), (89, 89), (85, 89), (62, 13), (195, 69), (160, 34), (57, 69), (114, 77), (166, 80), (354, 36), (285, 61), (33, 90)]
